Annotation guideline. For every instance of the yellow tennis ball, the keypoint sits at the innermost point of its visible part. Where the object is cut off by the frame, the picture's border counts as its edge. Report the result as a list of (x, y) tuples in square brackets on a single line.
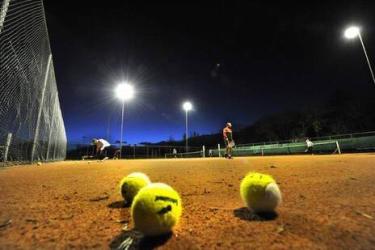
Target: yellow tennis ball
[(260, 192), (131, 184), (156, 209)]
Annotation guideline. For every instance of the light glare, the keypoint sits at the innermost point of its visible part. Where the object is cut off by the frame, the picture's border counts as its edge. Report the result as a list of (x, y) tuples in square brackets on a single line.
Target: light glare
[(187, 106), (351, 32), (124, 91)]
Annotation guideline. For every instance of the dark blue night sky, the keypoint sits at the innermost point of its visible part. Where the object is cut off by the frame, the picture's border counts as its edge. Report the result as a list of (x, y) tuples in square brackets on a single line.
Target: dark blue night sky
[(235, 60)]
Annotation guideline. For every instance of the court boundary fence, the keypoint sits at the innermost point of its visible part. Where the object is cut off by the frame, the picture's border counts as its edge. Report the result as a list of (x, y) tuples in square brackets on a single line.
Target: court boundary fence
[(344, 143), (31, 123), (336, 144), (78, 151)]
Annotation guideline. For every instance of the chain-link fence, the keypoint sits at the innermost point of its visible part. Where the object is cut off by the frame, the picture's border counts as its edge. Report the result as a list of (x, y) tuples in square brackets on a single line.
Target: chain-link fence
[(346, 143), (82, 151), (334, 144), (31, 123)]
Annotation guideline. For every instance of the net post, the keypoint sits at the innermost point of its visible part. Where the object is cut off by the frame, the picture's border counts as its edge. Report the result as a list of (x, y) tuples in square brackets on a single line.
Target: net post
[(203, 151), (218, 148), (262, 151), (7, 144), (338, 147), (36, 134)]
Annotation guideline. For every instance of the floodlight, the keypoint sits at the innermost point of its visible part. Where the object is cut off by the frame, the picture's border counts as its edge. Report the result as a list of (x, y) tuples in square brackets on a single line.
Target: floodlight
[(351, 32), (187, 106), (124, 91)]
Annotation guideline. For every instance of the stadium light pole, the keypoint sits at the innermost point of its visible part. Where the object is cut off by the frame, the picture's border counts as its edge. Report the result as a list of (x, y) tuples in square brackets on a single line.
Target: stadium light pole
[(124, 92), (187, 106), (353, 32)]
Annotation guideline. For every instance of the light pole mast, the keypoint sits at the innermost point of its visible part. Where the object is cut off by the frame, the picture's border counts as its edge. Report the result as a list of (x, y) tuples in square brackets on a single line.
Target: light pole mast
[(353, 32), (187, 106), (186, 131), (124, 91), (368, 60), (122, 126)]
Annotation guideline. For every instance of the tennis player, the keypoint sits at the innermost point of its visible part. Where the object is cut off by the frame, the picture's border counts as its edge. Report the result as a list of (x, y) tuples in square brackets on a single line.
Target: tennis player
[(228, 140), (101, 147)]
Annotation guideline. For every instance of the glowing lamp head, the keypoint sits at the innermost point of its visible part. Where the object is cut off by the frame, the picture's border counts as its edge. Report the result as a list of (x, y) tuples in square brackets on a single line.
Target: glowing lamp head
[(351, 32), (124, 91), (187, 106)]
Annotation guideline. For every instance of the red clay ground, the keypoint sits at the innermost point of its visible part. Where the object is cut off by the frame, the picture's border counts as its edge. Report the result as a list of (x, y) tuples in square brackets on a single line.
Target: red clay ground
[(328, 203)]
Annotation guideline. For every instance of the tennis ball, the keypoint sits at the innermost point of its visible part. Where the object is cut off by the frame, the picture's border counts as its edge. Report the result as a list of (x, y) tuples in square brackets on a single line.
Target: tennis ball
[(260, 192), (131, 184), (156, 209)]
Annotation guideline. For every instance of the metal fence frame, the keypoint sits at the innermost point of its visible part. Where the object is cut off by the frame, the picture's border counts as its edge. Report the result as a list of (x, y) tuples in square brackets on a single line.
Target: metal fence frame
[(31, 124)]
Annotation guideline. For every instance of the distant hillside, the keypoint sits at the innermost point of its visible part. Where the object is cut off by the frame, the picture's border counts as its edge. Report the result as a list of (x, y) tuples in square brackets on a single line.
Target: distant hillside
[(342, 113)]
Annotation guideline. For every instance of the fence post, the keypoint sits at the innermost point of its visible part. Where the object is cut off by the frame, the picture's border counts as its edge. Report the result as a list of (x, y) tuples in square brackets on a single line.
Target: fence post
[(40, 107), (203, 151), (218, 148), (7, 144), (50, 132), (49, 142), (3, 13), (56, 144), (338, 147)]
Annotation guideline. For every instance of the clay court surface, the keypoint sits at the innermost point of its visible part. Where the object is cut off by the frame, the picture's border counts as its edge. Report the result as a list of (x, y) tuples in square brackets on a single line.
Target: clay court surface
[(328, 203)]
